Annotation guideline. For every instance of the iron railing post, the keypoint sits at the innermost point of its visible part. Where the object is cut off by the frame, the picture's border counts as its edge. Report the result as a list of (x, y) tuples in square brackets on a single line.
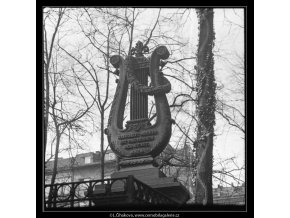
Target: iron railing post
[(130, 189), (54, 196), (72, 194), (89, 193)]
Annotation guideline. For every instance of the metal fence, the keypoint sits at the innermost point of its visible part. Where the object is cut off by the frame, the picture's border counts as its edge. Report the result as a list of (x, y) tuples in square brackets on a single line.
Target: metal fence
[(96, 192)]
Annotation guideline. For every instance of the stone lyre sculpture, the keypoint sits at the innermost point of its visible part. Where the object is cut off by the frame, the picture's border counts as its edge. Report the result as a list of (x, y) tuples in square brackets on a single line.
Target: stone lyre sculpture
[(140, 141)]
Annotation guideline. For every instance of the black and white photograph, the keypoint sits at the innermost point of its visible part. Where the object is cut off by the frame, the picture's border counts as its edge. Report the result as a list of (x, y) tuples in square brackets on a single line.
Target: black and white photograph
[(144, 109), (132, 110)]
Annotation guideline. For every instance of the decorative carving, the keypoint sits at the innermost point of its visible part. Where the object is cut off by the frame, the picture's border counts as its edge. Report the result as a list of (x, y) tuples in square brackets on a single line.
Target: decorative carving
[(137, 125), (163, 52), (115, 61), (139, 49), (163, 87), (139, 137)]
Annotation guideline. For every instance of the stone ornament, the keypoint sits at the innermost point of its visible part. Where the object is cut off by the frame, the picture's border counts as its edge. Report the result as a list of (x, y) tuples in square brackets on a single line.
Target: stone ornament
[(139, 139)]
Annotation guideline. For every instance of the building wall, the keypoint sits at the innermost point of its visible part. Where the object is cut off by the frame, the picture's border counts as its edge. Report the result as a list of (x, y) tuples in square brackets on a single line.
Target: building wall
[(82, 169), (93, 171), (65, 176)]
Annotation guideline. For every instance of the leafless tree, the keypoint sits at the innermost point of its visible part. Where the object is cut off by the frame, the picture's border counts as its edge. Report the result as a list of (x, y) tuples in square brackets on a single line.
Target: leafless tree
[(102, 32), (56, 18), (101, 41), (232, 108), (67, 106)]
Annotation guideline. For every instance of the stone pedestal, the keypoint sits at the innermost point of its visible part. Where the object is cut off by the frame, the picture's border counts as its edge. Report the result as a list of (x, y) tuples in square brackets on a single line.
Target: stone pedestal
[(140, 141), (157, 180)]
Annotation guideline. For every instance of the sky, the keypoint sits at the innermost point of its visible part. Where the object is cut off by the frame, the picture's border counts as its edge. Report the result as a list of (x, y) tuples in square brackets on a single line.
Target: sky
[(228, 26)]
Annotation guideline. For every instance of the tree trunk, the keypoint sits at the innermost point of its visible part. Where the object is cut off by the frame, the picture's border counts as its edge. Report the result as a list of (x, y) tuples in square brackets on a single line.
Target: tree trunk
[(54, 172), (102, 147), (206, 101), (46, 108), (48, 54)]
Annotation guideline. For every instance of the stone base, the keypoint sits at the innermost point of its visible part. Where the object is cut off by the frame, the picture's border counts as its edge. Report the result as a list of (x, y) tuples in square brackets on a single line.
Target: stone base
[(135, 163), (157, 180), (142, 173)]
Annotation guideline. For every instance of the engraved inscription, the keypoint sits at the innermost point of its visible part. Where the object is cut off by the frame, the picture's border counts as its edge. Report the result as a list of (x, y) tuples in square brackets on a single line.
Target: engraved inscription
[(137, 140), (140, 145), (136, 135), (140, 151)]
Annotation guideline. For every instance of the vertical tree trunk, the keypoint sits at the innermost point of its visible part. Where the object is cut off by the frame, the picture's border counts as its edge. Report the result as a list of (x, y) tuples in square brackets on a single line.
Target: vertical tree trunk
[(46, 108), (206, 101), (102, 147), (47, 58), (54, 172)]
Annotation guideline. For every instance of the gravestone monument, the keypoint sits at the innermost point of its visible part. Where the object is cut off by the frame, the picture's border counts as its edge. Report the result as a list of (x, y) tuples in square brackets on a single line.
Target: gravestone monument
[(140, 141)]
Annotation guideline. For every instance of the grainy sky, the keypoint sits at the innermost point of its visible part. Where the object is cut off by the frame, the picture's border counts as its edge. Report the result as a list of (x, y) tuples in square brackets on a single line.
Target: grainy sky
[(228, 25)]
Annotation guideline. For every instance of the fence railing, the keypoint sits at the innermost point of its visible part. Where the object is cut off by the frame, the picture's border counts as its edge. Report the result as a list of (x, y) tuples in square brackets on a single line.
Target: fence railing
[(89, 193)]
